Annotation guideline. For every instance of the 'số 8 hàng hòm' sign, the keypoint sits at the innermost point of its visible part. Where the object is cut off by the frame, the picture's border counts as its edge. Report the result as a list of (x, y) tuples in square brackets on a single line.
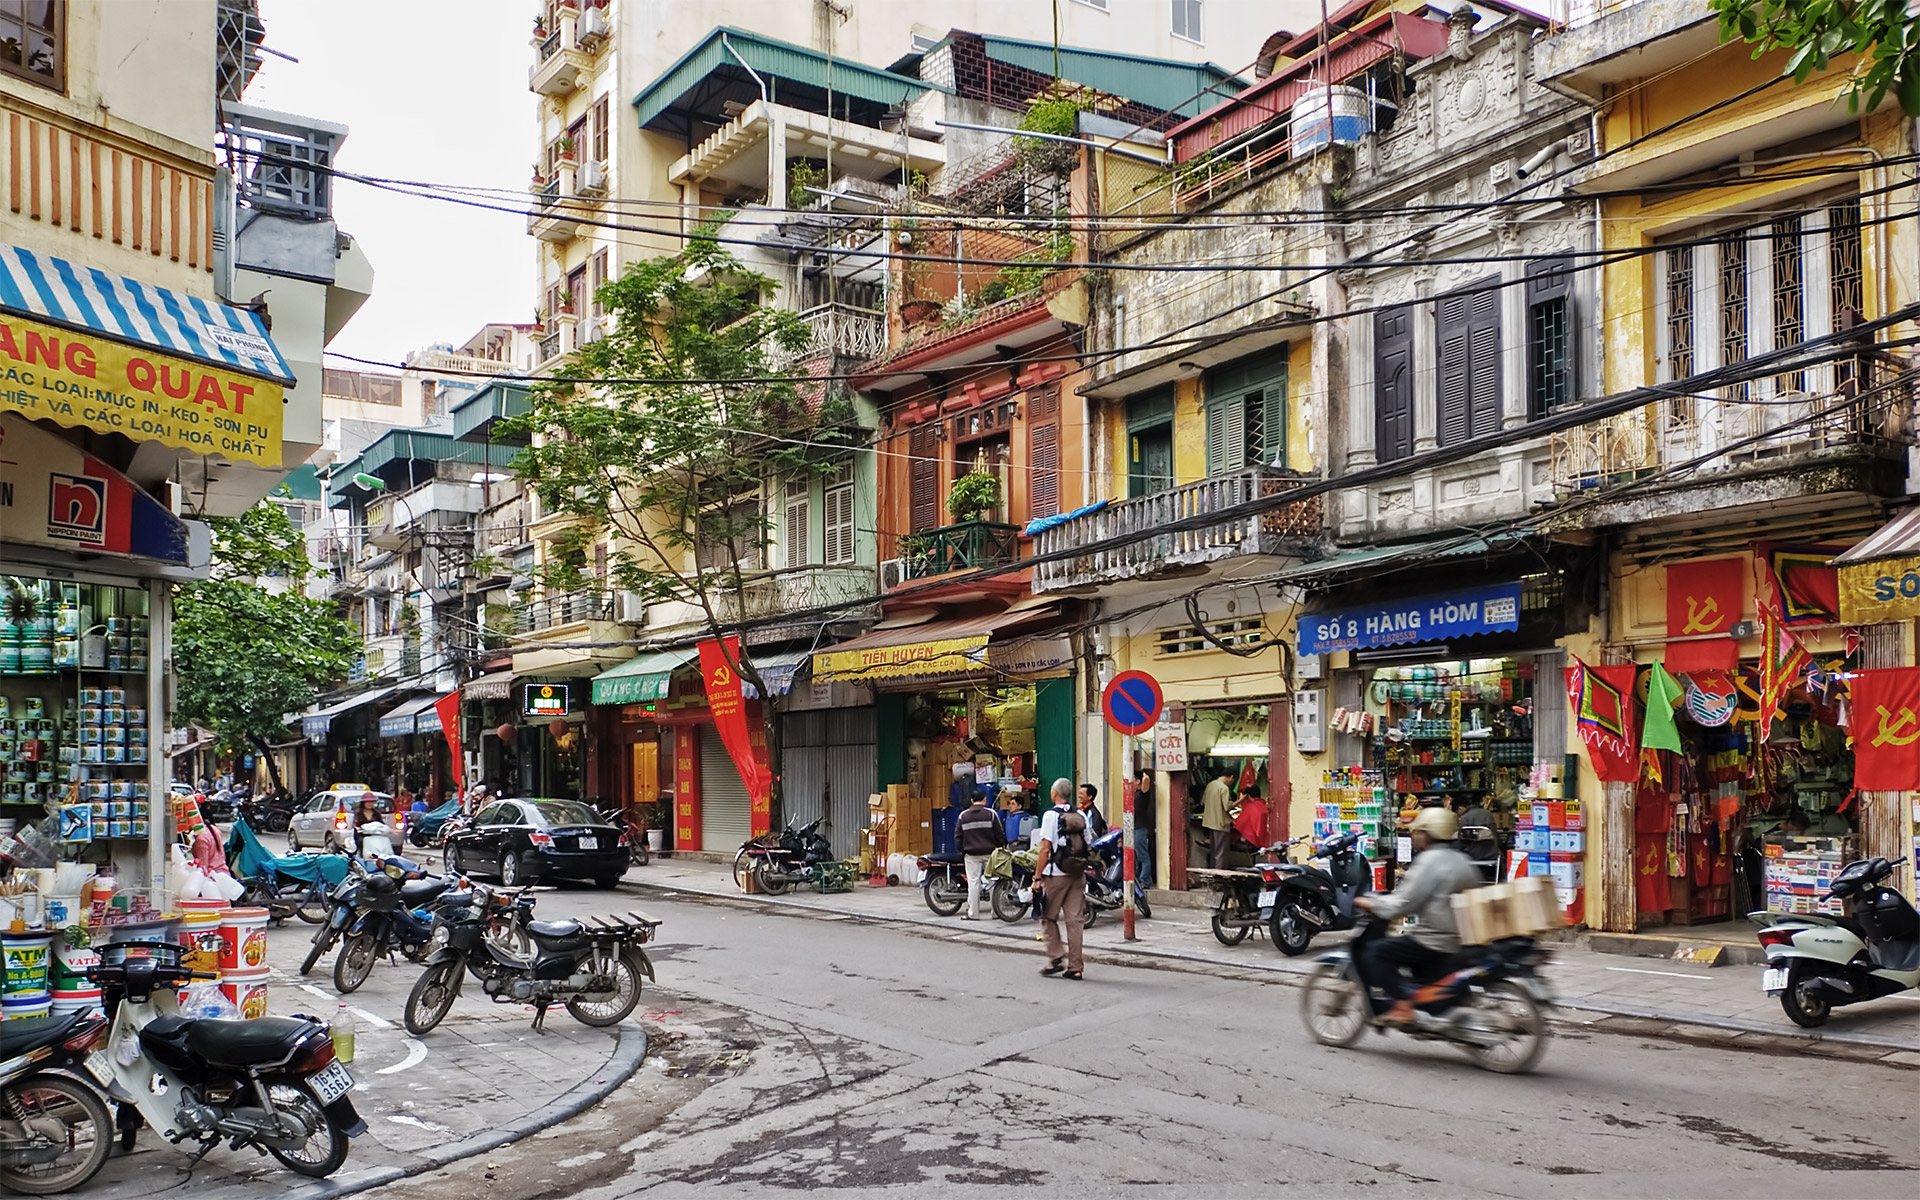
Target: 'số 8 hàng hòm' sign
[(90, 381)]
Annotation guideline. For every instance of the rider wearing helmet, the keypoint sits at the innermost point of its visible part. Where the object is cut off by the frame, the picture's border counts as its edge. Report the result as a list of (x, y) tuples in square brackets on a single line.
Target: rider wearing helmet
[(1425, 894)]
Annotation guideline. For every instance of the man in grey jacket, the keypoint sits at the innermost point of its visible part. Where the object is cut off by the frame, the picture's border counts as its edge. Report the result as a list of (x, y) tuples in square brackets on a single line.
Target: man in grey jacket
[(1425, 894)]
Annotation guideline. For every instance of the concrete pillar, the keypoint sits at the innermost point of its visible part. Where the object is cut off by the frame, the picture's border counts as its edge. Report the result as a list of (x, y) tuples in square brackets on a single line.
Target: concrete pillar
[(776, 160)]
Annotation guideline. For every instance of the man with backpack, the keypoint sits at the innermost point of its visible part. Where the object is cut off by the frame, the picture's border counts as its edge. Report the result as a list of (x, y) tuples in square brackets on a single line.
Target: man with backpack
[(1059, 872), (979, 831)]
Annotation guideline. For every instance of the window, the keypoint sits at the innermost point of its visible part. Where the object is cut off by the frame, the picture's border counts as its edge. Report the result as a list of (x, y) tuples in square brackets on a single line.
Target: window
[(575, 299), (358, 385), (1847, 297), (32, 37), (599, 281), (839, 517), (1789, 301), (1186, 20), (798, 551), (600, 563), (1733, 306), (600, 130), (1549, 336), (1247, 412), (994, 455), (924, 492), (1468, 334), (1393, 384), (1043, 452), (741, 525)]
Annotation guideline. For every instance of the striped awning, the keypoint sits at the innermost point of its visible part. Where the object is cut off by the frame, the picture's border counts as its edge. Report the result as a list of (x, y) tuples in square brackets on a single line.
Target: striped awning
[(127, 310)]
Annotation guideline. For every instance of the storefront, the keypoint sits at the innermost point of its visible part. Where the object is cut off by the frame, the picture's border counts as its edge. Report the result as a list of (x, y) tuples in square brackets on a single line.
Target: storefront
[(417, 753), (343, 740)]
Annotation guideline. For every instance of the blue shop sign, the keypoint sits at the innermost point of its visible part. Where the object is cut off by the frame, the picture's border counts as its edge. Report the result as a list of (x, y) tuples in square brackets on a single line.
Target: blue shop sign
[(1432, 618)]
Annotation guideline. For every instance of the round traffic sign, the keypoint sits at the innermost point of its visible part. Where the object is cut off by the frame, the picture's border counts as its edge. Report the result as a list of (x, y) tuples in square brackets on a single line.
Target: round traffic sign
[(1132, 702)]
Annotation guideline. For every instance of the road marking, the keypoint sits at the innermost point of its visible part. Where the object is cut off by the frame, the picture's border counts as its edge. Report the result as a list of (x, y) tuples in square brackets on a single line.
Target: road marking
[(307, 987), (377, 1022), (1673, 974), (416, 1052), (417, 1123)]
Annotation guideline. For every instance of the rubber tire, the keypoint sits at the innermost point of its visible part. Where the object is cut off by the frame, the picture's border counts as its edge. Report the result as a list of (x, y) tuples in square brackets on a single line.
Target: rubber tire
[(740, 869), (1140, 905), (1230, 935), (1005, 901), (1326, 975), (772, 887), (632, 966), (337, 1152), (321, 944), (607, 883), (940, 908), (1294, 942), (509, 870), (1534, 1019), (345, 981), (1088, 916), (277, 823), (1806, 1016), (419, 1026), (104, 1135), (638, 854), (315, 906), (293, 841)]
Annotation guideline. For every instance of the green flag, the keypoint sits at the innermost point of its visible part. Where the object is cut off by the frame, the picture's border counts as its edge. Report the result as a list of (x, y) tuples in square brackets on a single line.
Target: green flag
[(1663, 692)]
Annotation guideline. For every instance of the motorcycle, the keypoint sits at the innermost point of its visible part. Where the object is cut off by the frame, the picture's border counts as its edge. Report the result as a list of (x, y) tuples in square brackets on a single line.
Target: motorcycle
[(1311, 899), (273, 814), (1242, 903), (267, 1082), (1106, 891), (386, 912), (593, 969), (1816, 962), (1010, 882), (1488, 1000), (55, 1130), (633, 833), (778, 863), (943, 881)]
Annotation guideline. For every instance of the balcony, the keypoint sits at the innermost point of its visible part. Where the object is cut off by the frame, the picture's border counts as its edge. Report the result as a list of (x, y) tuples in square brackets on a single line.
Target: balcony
[(556, 212), (432, 361), (282, 163), (842, 329), (566, 608), (1145, 552), (968, 546), (737, 152), (560, 64), (798, 591)]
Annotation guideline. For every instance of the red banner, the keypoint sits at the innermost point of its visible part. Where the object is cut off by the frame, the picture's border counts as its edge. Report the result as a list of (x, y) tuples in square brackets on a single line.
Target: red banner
[(686, 789), (1802, 581), (1704, 597), (1886, 730), (720, 673), (448, 706), (1603, 710)]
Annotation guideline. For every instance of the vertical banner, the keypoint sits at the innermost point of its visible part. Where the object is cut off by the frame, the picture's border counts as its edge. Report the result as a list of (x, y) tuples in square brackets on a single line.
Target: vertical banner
[(686, 788), (448, 706), (729, 707), (1704, 597), (1603, 708), (1886, 728)]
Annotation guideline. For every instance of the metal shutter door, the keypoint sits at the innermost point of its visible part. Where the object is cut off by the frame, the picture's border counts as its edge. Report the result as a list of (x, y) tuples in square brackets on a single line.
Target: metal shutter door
[(724, 815), (852, 755), (804, 779)]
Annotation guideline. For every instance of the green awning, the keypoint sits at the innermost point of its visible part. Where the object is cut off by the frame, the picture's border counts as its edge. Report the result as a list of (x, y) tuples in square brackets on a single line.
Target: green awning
[(1186, 88), (401, 446), (694, 90), (477, 418), (1455, 546), (641, 678)]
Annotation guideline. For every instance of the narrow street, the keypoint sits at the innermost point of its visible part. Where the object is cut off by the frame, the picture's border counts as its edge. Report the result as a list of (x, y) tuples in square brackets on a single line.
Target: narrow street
[(875, 1059)]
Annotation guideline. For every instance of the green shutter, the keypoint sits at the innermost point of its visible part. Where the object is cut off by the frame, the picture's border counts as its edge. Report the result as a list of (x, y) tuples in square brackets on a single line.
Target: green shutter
[(1273, 411), (1226, 434), (1053, 731)]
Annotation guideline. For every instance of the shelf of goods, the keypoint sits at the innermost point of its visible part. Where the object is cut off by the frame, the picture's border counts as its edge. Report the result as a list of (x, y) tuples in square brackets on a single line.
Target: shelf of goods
[(1358, 801), (1797, 877)]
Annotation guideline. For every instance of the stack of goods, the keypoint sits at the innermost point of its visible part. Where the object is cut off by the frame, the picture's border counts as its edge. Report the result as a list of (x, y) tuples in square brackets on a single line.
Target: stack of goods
[(243, 959), (26, 958), (1797, 879), (29, 751), (26, 628), (1522, 908), (909, 820), (1354, 801), (1550, 840)]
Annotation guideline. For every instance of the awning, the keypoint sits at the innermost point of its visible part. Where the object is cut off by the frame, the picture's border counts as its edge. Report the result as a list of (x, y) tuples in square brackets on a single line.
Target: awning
[(399, 722), (733, 64), (778, 670), (160, 365), (497, 686), (641, 678), (1467, 612), (316, 724), (1897, 538), (428, 721), (478, 417), (1376, 556), (931, 650)]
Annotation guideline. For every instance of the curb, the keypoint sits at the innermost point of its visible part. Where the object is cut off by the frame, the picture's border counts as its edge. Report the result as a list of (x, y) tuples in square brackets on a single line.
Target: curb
[(620, 1066), (1804, 1039)]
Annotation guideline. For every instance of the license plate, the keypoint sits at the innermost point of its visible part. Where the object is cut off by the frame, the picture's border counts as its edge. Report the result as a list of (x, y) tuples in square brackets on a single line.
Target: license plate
[(1268, 896), (1773, 980), (332, 1083), (100, 1067), (589, 843)]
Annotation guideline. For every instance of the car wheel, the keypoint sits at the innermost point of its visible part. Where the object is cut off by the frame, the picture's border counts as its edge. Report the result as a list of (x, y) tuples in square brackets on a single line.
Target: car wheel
[(293, 841), (509, 869)]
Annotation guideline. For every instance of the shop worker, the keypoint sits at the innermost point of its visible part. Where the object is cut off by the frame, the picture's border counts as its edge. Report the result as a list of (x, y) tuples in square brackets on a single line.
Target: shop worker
[(1216, 817), (1426, 895), (1476, 845), (1096, 820), (1059, 872), (978, 832)]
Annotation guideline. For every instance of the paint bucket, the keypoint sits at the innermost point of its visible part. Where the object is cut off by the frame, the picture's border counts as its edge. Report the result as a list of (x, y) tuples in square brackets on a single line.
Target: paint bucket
[(78, 1000), (247, 990), (63, 911), (26, 958), (15, 1008), (71, 964), (201, 934), (243, 937)]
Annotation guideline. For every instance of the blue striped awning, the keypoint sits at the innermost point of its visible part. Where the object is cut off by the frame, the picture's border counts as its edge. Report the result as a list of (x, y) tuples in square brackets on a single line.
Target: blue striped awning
[(127, 310)]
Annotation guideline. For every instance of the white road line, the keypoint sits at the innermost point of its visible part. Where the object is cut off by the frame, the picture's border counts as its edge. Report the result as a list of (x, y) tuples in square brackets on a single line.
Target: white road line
[(1671, 974), (416, 1051), (307, 987), (377, 1022)]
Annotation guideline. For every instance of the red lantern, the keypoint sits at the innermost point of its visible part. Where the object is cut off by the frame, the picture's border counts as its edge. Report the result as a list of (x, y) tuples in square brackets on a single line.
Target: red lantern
[(506, 733)]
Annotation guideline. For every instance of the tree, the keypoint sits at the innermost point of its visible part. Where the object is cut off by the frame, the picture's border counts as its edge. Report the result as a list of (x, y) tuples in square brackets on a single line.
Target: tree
[(1881, 32), (248, 654), (680, 426)]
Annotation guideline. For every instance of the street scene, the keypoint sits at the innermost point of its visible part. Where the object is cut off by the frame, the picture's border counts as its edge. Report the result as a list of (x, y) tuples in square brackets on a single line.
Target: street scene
[(1115, 597)]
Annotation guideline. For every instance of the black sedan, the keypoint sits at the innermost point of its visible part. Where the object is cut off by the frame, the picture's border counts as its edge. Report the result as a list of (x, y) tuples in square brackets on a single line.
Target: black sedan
[(527, 841)]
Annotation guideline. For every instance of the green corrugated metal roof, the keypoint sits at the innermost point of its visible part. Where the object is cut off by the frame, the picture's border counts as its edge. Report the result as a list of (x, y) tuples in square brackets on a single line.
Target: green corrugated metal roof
[(304, 482), (772, 58), (403, 444), (1159, 82), (641, 678), (474, 418), (1440, 547)]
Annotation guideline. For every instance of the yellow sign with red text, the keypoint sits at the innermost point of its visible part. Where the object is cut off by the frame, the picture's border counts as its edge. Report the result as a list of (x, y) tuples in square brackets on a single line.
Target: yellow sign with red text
[(88, 381)]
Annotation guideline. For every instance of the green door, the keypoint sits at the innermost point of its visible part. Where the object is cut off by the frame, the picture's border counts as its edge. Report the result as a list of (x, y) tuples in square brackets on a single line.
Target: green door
[(1150, 467)]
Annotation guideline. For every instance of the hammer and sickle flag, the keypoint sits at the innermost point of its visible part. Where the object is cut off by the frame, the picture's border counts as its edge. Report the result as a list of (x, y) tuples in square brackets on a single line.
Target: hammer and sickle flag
[(1704, 599), (1886, 730)]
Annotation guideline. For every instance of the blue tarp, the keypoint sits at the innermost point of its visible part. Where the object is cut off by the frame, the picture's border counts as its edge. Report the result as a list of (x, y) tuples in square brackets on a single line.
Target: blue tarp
[(1039, 523), (248, 858), (429, 822)]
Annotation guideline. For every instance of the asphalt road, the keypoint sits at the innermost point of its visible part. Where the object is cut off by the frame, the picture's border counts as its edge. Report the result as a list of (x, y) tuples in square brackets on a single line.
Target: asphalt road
[(865, 1059)]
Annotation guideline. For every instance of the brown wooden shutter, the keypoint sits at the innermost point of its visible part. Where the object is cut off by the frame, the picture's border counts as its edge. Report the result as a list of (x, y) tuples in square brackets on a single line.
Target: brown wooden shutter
[(1393, 384), (924, 493), (1468, 334), (1043, 461)]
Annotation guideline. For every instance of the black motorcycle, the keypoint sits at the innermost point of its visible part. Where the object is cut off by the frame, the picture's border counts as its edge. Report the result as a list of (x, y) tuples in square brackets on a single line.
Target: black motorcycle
[(55, 1130), (943, 881), (777, 863), (1488, 1000), (383, 918), (273, 814), (1311, 900), (1106, 890), (594, 969)]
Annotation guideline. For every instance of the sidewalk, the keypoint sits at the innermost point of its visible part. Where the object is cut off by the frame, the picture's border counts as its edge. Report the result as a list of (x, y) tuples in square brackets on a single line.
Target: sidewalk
[(479, 1081), (1723, 1004)]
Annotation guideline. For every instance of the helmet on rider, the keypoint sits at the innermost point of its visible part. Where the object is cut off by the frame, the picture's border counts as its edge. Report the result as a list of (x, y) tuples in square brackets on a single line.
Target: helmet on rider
[(1437, 823)]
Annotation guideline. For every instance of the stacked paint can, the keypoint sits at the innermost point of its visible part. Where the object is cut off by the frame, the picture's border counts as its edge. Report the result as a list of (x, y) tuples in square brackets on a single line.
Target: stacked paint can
[(72, 990), (243, 959), (200, 921), (25, 959)]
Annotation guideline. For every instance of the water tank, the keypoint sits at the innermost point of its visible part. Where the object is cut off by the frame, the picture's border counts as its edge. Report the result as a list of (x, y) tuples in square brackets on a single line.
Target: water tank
[(1314, 127)]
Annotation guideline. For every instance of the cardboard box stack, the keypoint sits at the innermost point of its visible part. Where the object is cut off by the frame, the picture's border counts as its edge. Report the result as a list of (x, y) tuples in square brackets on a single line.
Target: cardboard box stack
[(1550, 836), (1522, 908), (909, 821)]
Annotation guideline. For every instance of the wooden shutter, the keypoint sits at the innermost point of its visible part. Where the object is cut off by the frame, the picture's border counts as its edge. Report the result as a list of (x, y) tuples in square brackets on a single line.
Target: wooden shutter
[(1226, 434), (1043, 471), (1483, 363), (1468, 334), (798, 552), (1393, 384), (924, 493), (1273, 417), (839, 524)]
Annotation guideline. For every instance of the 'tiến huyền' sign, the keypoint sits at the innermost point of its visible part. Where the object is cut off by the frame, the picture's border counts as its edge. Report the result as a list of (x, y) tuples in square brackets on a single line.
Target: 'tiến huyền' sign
[(948, 656), (86, 380), (1886, 590)]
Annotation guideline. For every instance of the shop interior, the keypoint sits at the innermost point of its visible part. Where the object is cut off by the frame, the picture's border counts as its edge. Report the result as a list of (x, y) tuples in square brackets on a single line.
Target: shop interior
[(1228, 742), (971, 737)]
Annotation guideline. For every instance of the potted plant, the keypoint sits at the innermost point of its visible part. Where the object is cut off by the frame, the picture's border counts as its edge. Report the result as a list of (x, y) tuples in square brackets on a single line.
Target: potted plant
[(973, 494), (566, 304), (563, 151), (539, 28)]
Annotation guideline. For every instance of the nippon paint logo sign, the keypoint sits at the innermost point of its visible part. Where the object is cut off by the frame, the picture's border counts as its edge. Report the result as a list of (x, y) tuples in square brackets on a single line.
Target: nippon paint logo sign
[(77, 508)]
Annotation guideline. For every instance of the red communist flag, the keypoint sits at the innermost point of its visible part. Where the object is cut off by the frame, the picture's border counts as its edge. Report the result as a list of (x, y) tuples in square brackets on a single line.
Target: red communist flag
[(1704, 597), (1886, 730), (726, 700)]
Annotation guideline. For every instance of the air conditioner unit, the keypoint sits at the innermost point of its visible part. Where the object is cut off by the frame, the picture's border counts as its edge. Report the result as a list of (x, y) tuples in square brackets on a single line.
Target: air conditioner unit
[(630, 608), (590, 332), (893, 573), (591, 178), (592, 28)]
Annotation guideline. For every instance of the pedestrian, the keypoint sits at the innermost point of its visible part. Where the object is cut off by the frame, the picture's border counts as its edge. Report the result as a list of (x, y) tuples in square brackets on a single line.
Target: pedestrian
[(1144, 817), (979, 832), (1060, 879), (1216, 817), (1096, 820)]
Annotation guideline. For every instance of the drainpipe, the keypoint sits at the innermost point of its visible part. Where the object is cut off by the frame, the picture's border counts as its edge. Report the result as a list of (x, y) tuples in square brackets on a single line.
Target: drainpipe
[(776, 146)]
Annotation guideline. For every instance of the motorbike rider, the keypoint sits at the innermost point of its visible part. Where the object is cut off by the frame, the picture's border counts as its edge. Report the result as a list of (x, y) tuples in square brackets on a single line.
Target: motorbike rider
[(1425, 893), (367, 812)]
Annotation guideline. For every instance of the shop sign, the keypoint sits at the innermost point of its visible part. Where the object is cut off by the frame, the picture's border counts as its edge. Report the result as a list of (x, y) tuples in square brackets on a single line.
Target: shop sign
[(1887, 590), (1031, 656), (1432, 618), (1170, 748), (92, 382), (546, 700), (52, 493), (949, 656)]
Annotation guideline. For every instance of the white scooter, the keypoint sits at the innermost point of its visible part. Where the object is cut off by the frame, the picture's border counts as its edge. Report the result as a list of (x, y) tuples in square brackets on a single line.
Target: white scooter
[(1815, 963)]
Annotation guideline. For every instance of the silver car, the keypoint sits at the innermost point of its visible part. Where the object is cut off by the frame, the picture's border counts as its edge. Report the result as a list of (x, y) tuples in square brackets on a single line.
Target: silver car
[(323, 823)]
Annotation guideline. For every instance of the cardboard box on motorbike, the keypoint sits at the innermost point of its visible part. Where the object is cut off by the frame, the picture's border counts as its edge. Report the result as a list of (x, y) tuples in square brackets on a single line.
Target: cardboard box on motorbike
[(1523, 908)]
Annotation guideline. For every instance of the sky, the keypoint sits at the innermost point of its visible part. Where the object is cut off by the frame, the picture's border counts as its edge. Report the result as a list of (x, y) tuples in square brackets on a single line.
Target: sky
[(431, 90)]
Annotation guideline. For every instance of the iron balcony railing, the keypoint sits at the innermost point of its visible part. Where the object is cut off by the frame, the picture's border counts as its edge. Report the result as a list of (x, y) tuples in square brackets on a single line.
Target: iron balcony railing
[(967, 546), (797, 590), (565, 608)]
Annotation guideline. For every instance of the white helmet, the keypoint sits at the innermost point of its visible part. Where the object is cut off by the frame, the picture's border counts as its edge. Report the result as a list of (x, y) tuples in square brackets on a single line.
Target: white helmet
[(1436, 823)]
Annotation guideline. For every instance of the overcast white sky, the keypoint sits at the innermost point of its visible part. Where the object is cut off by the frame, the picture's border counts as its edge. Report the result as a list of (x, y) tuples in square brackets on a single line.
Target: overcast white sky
[(432, 90)]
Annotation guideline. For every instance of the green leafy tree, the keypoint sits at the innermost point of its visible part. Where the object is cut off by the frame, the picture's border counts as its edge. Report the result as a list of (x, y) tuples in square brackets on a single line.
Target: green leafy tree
[(1882, 32), (249, 646), (679, 428)]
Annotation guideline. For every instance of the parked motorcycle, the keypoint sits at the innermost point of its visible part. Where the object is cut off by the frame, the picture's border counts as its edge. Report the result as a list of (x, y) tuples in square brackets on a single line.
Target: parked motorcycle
[(1243, 902), (593, 969), (778, 863), (1312, 899), (1010, 882), (55, 1130), (1106, 868), (386, 912), (635, 834), (943, 881), (1816, 962), (1488, 1000), (273, 814), (271, 1083)]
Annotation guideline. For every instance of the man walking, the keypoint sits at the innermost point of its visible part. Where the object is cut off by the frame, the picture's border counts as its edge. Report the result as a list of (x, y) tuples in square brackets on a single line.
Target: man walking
[(1216, 817), (1059, 875), (979, 832)]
